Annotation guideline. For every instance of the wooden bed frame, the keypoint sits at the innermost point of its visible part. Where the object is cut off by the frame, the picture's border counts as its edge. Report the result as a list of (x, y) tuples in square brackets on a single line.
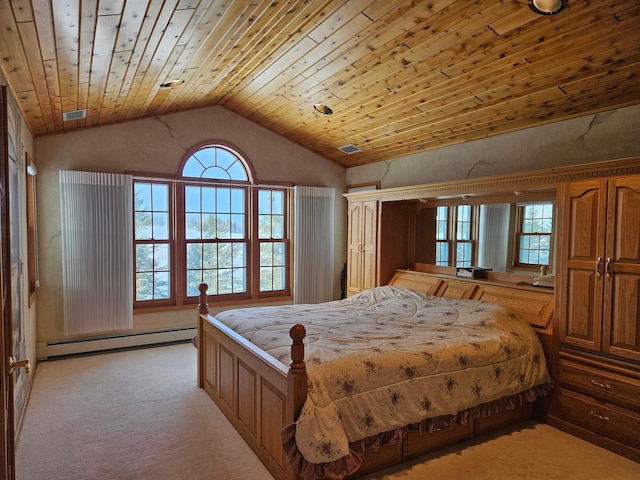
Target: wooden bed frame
[(260, 396)]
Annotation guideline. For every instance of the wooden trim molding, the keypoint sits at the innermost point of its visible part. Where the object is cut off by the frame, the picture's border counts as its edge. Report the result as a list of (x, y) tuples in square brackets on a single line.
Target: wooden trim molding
[(506, 184)]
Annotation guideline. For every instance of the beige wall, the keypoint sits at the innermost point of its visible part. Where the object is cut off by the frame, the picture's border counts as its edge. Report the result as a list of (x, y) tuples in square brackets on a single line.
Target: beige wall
[(606, 136), (158, 145)]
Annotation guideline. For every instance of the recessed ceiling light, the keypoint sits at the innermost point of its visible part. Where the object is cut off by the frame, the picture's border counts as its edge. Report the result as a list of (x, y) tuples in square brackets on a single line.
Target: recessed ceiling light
[(547, 7), (171, 83), (323, 109)]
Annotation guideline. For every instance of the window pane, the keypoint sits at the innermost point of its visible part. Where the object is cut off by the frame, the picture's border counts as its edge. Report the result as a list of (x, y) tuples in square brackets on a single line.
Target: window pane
[(266, 279), (442, 254), (161, 226), (237, 172), (237, 226), (239, 258), (223, 224), (142, 195), (463, 254), (194, 278), (192, 225), (225, 281), (144, 286), (441, 223), (237, 200), (160, 193), (161, 257), (223, 197), (224, 159), (208, 199), (225, 255), (194, 255), (463, 225), (161, 286), (144, 258), (192, 199), (209, 226), (142, 226)]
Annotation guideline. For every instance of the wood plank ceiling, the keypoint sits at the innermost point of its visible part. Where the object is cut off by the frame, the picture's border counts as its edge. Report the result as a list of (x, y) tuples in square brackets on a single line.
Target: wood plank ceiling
[(400, 76)]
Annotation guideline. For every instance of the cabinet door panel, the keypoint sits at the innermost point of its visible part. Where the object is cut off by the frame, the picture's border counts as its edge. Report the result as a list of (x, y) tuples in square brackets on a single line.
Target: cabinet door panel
[(369, 244), (354, 256), (622, 287), (586, 221), (583, 314), (582, 268)]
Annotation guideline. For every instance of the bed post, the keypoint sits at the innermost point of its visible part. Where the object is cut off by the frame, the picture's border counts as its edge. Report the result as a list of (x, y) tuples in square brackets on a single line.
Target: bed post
[(297, 376), (203, 309)]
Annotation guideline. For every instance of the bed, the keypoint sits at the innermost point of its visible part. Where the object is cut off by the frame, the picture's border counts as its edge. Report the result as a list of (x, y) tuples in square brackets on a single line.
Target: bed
[(370, 380)]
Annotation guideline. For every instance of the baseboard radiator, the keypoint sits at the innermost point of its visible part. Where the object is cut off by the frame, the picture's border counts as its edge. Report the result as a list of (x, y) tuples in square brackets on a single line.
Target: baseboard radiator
[(45, 350)]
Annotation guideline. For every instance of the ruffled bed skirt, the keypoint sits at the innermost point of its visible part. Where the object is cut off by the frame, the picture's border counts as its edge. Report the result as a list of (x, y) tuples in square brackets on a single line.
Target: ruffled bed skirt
[(351, 462)]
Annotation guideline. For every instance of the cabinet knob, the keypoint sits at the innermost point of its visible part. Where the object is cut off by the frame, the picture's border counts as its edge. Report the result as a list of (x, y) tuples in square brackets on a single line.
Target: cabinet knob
[(598, 262), (607, 267)]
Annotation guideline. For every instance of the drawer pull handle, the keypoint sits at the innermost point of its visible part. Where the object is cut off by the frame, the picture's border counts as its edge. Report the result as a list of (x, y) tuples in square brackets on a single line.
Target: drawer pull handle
[(598, 384), (600, 417)]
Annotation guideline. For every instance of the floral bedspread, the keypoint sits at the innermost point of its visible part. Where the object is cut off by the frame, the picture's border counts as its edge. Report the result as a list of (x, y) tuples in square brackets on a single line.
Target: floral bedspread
[(390, 357)]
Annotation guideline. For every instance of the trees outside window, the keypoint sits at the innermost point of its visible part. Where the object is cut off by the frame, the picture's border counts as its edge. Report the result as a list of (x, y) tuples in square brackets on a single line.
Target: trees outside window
[(213, 225)]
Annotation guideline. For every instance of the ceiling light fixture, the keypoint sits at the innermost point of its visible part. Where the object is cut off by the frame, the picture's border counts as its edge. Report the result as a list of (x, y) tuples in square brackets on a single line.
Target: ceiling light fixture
[(547, 7), (323, 109), (171, 83)]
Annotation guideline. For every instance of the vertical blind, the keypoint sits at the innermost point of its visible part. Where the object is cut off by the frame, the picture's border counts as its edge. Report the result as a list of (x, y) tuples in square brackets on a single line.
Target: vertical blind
[(97, 278), (314, 240)]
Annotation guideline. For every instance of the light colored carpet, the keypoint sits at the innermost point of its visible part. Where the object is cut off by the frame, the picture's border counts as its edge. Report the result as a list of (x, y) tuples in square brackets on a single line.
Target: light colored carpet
[(139, 415)]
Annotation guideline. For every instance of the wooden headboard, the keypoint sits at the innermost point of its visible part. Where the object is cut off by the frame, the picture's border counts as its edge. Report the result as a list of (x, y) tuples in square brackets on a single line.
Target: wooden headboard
[(532, 303)]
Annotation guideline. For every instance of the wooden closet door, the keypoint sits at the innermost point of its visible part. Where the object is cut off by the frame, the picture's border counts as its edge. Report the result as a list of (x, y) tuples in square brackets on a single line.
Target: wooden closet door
[(582, 268), (622, 272), (362, 245)]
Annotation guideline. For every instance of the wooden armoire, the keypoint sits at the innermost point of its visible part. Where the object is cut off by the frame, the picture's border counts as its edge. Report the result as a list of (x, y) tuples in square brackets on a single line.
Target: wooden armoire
[(598, 306)]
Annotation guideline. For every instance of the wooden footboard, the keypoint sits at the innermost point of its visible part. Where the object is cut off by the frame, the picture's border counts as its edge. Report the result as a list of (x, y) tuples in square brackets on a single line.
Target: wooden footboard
[(256, 393)]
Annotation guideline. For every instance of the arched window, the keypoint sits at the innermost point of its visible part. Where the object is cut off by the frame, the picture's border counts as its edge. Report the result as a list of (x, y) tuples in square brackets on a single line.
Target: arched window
[(215, 162), (220, 228)]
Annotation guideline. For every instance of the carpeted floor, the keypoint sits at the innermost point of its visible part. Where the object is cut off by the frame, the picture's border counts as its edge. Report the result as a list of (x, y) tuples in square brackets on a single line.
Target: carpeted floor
[(139, 415)]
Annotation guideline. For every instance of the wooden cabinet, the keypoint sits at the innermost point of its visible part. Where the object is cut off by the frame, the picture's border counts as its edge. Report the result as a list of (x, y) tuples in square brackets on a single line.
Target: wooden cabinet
[(598, 311), (362, 246), (601, 268)]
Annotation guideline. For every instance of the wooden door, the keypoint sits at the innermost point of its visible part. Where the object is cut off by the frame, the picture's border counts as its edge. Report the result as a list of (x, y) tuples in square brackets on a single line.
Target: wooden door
[(582, 265), (369, 244), (354, 242), (7, 457), (622, 269), (361, 241)]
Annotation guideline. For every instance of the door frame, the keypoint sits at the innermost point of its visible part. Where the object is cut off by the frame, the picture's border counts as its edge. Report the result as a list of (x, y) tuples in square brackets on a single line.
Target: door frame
[(7, 439)]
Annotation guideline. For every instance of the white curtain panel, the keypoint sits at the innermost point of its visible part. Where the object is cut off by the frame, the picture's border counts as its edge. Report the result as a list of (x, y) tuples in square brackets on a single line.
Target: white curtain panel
[(97, 244), (313, 244)]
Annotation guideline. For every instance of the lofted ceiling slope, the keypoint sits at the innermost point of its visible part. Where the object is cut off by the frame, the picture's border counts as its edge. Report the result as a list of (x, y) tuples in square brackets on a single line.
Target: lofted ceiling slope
[(400, 76)]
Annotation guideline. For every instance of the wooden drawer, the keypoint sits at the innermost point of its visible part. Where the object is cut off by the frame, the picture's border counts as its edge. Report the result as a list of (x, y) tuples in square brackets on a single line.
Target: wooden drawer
[(600, 417), (417, 443), (601, 384)]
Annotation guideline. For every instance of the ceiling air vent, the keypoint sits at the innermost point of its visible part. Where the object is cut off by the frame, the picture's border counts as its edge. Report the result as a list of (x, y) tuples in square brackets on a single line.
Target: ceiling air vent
[(74, 115), (349, 149)]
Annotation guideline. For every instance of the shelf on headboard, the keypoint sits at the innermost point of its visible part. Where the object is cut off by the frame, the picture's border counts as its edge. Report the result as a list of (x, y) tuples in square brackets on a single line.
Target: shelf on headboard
[(533, 304)]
